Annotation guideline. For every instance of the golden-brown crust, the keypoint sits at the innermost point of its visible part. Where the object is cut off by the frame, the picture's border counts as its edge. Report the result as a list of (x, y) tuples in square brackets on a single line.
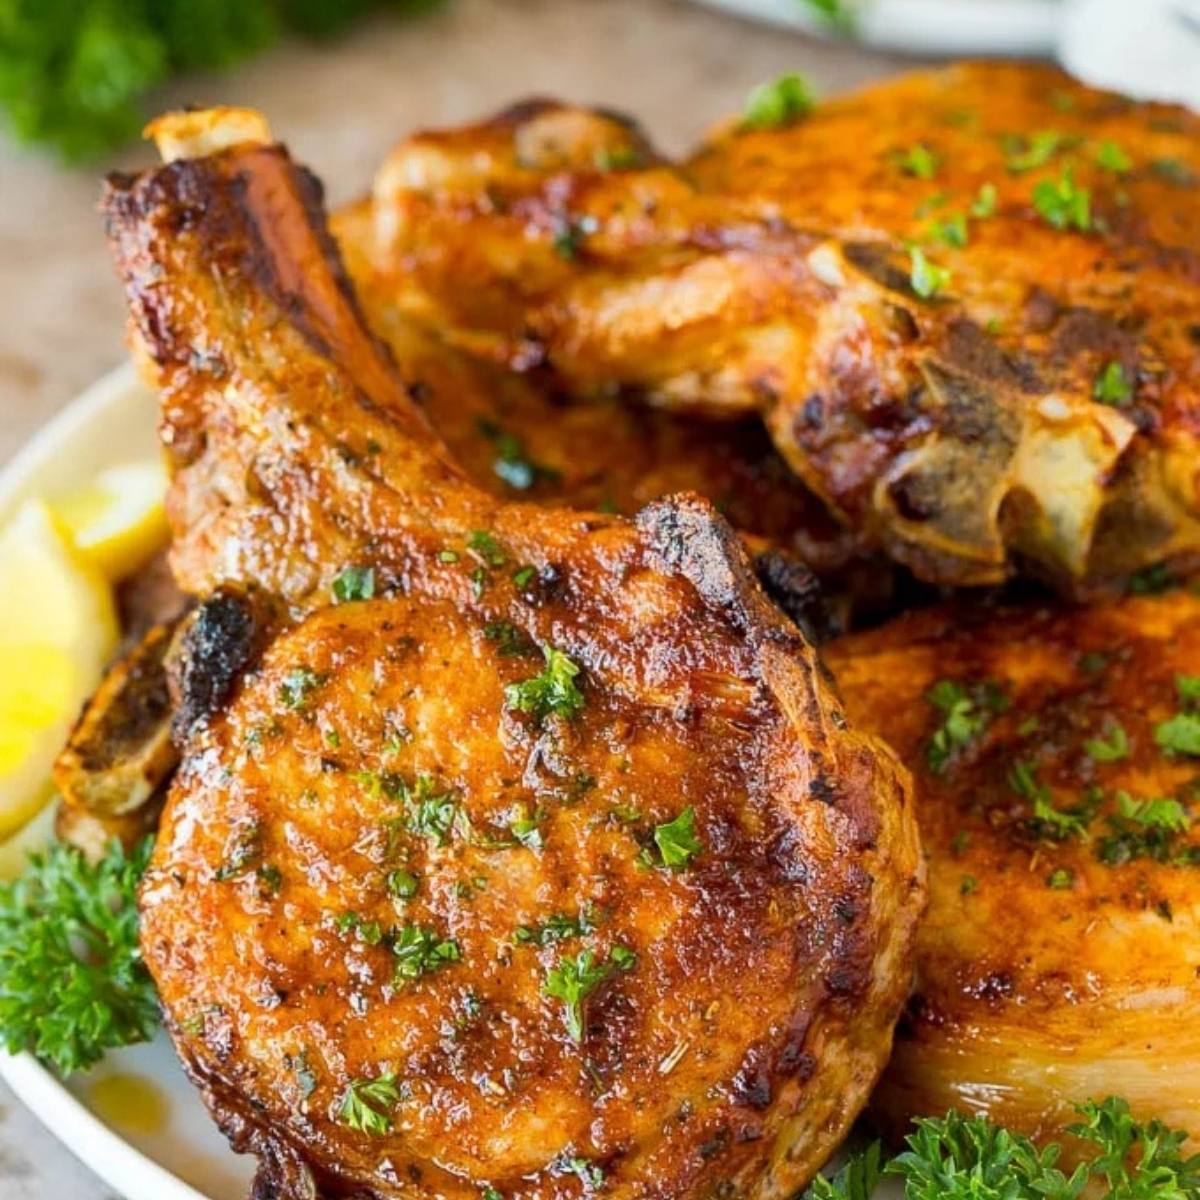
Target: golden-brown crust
[(297, 455), (1051, 968), (770, 272)]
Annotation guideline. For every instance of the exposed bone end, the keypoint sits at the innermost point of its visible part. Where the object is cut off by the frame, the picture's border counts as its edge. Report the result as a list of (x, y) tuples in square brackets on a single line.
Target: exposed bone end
[(206, 130)]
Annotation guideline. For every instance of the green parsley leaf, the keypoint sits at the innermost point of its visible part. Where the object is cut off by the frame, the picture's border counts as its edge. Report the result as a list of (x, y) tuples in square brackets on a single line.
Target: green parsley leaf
[(782, 102), (430, 813), (512, 463), (1111, 157), (1112, 386), (1188, 687), (1173, 170), (402, 884), (984, 204), (367, 1104), (420, 950), (553, 691), (486, 548), (297, 685), (925, 277), (1112, 748), (1136, 1160), (526, 828), (1061, 879), (354, 583), (857, 1179), (1063, 204), (918, 161), (72, 981), (1028, 153), (510, 641), (556, 928), (572, 981), (968, 714), (951, 230), (1162, 812), (676, 840), (1180, 734)]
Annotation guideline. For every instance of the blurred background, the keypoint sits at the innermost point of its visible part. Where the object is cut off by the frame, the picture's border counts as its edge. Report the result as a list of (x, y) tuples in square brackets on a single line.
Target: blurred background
[(343, 79)]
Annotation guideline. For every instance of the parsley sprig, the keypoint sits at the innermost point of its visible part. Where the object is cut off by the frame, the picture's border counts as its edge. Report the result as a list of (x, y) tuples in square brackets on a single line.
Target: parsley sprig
[(576, 977), (968, 1158), (367, 1104), (968, 710), (554, 691), (72, 980)]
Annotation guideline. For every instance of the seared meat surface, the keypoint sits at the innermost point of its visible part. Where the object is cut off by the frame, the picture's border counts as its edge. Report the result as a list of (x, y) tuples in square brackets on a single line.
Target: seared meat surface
[(964, 301), (512, 848), (1056, 753)]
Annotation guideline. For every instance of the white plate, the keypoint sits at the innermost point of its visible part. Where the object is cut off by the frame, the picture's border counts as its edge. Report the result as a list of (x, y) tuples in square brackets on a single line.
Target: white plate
[(940, 27), (179, 1155), (166, 1148)]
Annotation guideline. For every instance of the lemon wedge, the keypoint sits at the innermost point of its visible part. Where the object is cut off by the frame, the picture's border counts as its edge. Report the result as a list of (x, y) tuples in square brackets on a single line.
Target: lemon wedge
[(117, 522), (58, 626)]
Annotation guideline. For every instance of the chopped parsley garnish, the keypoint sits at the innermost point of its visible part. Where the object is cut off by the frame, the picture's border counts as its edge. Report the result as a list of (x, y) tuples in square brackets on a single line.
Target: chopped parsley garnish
[(448, 556), (925, 277), (1173, 170), (918, 161), (967, 885), (420, 950), (242, 851), (354, 583), (984, 204), (553, 691), (526, 828), (968, 711), (780, 102), (587, 1172), (572, 981), (1112, 386), (951, 230), (512, 463), (509, 640), (431, 813), (570, 234), (1180, 734), (1027, 154), (297, 686), (485, 546), (1111, 748), (402, 884), (555, 928), (676, 840), (524, 576), (350, 922), (1055, 824), (72, 981), (1063, 204), (1061, 879), (1151, 581), (367, 1104), (1111, 157)]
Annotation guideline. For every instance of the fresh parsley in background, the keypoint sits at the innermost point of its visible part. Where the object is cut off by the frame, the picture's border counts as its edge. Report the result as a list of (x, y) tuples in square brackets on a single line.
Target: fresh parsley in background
[(72, 980), (74, 73)]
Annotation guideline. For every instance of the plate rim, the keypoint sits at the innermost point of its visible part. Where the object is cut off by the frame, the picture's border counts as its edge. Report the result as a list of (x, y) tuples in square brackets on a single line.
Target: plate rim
[(113, 1159)]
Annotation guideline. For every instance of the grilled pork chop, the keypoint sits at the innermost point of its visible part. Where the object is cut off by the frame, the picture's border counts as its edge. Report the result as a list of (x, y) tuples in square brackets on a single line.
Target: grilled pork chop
[(513, 850), (1056, 753), (964, 301)]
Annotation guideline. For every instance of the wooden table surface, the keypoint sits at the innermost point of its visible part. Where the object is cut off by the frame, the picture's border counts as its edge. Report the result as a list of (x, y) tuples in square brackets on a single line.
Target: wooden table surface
[(675, 66)]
